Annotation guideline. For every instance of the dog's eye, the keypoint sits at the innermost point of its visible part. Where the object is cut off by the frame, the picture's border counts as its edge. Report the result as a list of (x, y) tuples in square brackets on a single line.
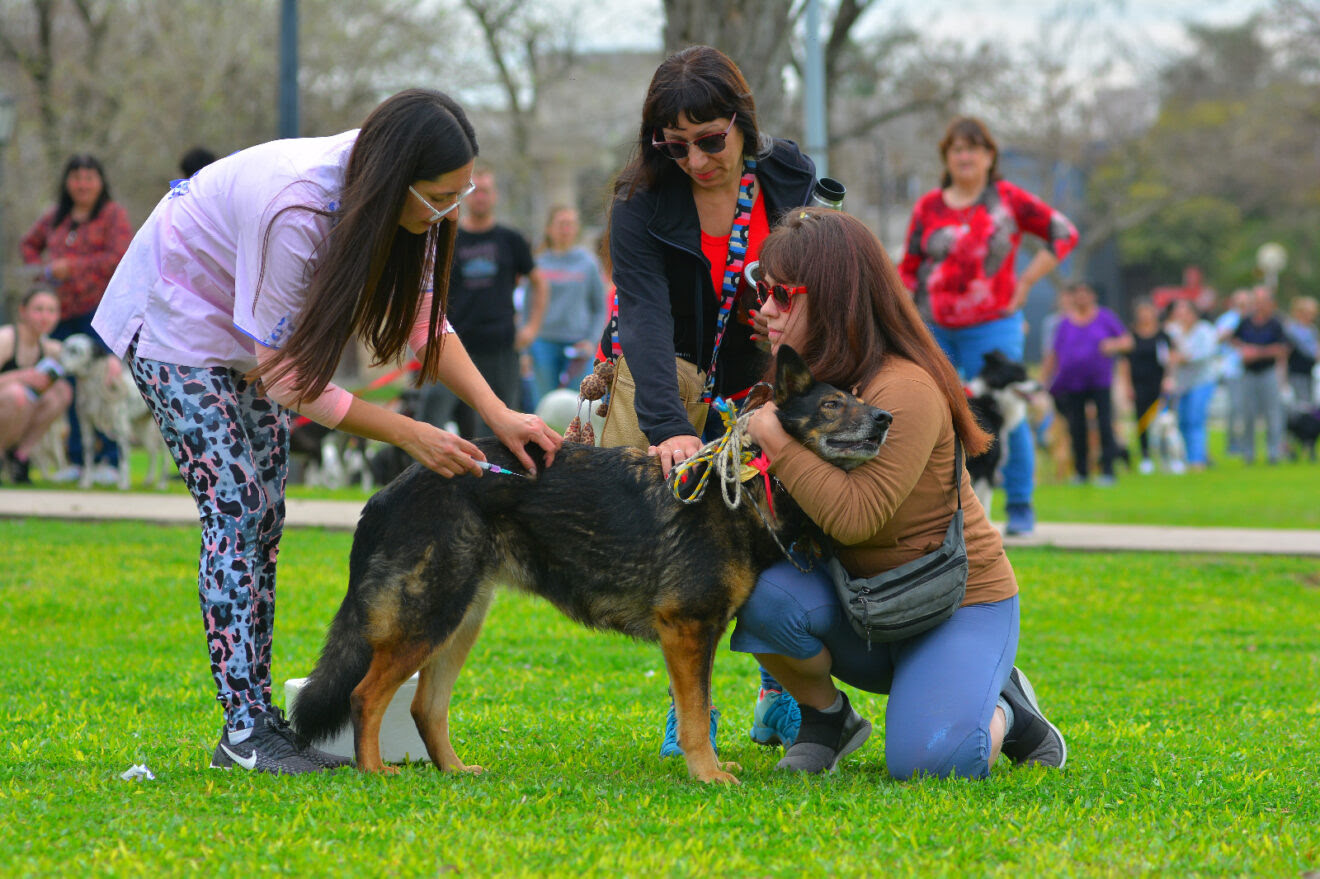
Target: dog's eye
[(830, 404)]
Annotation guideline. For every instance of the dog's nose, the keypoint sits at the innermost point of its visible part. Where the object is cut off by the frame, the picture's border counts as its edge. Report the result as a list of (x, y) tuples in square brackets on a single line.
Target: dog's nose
[(882, 418)]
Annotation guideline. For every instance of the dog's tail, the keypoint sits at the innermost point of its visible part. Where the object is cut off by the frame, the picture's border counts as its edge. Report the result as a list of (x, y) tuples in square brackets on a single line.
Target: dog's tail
[(322, 707)]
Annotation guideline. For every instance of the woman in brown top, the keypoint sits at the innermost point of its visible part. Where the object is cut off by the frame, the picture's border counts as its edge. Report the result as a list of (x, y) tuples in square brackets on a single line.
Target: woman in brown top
[(955, 699)]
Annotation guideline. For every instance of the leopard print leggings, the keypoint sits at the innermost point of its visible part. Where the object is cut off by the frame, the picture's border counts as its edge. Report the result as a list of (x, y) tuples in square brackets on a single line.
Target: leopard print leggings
[(231, 444)]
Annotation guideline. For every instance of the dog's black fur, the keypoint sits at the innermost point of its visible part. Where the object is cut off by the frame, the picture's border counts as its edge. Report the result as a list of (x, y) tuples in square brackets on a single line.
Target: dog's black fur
[(598, 534), (1304, 431), (998, 399)]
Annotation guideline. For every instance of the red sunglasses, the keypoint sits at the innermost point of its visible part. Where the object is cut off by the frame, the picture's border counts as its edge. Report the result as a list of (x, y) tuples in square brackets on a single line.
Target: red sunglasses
[(782, 294), (711, 144)]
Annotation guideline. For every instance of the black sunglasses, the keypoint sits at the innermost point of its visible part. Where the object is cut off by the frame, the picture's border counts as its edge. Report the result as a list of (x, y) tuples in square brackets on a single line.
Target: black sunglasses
[(711, 144)]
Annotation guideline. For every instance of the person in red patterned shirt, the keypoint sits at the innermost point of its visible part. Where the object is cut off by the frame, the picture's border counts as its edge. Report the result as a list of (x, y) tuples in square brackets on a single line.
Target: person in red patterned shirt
[(960, 260), (75, 247)]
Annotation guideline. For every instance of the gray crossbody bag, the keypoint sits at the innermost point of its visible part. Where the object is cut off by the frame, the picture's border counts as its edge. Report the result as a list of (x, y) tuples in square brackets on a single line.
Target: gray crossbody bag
[(913, 597)]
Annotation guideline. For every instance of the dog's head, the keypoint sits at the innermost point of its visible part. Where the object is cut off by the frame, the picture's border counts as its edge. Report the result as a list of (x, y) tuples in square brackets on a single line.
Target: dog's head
[(77, 353), (1003, 383), (834, 424)]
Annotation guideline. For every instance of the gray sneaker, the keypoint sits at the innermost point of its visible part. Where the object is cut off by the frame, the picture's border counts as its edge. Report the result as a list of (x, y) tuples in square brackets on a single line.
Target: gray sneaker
[(824, 739), (270, 748), (1033, 739)]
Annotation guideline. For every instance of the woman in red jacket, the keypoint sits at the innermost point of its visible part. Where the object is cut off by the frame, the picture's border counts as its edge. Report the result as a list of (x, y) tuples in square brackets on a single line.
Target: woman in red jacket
[(77, 244), (961, 252)]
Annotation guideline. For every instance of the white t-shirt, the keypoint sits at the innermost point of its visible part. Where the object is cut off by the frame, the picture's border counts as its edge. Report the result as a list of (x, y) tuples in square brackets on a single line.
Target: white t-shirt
[(188, 285)]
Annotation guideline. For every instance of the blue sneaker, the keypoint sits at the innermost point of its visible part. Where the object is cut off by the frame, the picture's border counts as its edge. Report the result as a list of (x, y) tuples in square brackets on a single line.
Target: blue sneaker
[(1021, 519), (776, 720), (670, 747)]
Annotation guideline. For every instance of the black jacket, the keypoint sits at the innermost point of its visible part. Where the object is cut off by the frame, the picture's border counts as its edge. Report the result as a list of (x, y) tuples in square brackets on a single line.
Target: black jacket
[(661, 275)]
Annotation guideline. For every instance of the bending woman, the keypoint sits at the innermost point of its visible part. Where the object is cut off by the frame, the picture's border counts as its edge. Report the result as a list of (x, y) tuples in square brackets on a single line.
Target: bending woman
[(232, 308), (955, 698)]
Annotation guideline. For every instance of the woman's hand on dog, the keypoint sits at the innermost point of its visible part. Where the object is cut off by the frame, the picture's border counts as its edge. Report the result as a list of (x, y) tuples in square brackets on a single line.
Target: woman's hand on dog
[(764, 429), (675, 450), (517, 429), (446, 453)]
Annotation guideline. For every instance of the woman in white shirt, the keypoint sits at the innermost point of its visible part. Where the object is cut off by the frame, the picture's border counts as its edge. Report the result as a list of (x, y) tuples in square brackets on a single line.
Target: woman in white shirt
[(232, 307), (1194, 358)]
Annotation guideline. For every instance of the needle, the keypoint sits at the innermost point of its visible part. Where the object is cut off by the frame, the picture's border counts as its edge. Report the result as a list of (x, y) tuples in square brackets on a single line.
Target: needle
[(495, 468)]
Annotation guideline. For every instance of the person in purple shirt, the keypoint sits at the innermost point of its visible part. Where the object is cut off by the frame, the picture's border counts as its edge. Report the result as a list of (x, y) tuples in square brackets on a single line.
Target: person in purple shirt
[(1079, 369)]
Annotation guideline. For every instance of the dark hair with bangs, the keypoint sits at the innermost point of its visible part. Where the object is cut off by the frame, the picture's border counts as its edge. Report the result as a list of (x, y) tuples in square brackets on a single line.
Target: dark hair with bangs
[(859, 312), (974, 131), (701, 83), (370, 278), (64, 201)]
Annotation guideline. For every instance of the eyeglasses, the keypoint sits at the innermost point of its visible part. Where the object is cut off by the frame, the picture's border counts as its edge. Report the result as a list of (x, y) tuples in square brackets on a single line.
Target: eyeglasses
[(711, 144), (782, 294), (436, 213)]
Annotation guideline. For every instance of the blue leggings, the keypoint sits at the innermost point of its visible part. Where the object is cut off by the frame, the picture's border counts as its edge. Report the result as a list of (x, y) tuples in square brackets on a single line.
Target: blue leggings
[(942, 684), (231, 444)]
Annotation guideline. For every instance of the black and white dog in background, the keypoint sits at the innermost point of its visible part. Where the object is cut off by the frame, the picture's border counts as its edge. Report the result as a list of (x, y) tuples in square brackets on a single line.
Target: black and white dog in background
[(998, 397)]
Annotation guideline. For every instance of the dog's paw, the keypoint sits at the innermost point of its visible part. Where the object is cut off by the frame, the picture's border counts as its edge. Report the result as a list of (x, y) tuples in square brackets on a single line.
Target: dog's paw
[(721, 774), (470, 768)]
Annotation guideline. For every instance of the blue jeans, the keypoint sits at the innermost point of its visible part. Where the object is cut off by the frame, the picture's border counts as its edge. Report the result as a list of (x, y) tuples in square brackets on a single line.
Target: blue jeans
[(967, 348), (1193, 412), (551, 360), (942, 684)]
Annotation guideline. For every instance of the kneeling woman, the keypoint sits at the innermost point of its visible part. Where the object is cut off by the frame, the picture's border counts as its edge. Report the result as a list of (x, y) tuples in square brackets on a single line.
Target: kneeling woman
[(955, 698)]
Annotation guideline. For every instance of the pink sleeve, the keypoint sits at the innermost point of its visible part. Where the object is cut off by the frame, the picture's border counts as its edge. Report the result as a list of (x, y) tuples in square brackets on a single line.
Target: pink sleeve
[(327, 410), (421, 330)]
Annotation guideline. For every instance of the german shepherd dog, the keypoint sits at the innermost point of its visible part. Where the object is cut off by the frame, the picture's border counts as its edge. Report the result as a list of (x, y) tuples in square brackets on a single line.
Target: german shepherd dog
[(599, 535)]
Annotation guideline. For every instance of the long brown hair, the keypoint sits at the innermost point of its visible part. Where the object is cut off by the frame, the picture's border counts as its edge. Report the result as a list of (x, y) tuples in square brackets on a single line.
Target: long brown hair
[(975, 132), (859, 312), (370, 277), (702, 83)]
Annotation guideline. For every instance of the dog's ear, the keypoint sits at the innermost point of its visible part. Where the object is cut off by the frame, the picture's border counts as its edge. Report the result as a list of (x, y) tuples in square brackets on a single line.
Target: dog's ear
[(792, 378)]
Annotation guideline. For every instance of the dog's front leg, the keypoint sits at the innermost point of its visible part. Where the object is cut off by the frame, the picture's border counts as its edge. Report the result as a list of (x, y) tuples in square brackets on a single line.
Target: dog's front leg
[(688, 648), (88, 443)]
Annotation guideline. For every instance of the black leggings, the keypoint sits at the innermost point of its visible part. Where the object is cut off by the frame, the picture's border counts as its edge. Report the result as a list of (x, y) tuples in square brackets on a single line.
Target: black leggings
[(1073, 407), (1146, 395)]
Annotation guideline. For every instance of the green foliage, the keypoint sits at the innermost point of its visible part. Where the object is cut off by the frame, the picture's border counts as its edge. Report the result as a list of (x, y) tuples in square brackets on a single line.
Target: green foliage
[(1185, 686)]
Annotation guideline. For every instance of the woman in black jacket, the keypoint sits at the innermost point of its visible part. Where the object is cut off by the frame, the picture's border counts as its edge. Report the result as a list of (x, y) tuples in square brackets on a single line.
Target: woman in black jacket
[(702, 181)]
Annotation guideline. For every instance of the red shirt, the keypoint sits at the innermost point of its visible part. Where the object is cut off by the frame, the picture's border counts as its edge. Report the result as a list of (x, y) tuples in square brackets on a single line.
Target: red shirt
[(963, 258), (93, 249)]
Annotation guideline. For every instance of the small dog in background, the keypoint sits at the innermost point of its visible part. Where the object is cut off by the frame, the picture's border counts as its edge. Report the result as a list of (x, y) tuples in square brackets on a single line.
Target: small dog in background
[(326, 458), (999, 397), (1164, 439), (116, 409), (1303, 431)]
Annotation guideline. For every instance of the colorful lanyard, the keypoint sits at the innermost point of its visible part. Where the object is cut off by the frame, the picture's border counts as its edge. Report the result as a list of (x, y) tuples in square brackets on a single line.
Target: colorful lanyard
[(733, 266)]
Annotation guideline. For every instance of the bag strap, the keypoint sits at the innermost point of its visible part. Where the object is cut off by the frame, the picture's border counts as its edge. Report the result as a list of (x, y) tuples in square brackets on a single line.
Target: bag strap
[(733, 267), (957, 465)]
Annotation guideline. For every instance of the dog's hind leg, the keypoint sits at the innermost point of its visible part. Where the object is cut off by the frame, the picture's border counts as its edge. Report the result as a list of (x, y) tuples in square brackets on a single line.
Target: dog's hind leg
[(435, 686), (391, 665), (689, 650)]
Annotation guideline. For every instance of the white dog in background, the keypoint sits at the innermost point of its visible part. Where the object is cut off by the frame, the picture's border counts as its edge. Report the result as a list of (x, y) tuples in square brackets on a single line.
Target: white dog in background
[(115, 408), (1166, 444)]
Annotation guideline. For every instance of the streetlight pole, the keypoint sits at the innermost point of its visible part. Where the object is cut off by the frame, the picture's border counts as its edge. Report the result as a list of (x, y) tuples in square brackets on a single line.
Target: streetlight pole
[(289, 68), (8, 114)]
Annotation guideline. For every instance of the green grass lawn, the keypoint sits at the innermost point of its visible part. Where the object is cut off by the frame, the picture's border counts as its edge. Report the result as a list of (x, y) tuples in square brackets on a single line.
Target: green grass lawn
[(1186, 687)]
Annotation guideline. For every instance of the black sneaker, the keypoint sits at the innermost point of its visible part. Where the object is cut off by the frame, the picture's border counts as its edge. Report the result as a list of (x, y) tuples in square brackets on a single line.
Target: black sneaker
[(824, 739), (1033, 739), (271, 747), (20, 471)]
